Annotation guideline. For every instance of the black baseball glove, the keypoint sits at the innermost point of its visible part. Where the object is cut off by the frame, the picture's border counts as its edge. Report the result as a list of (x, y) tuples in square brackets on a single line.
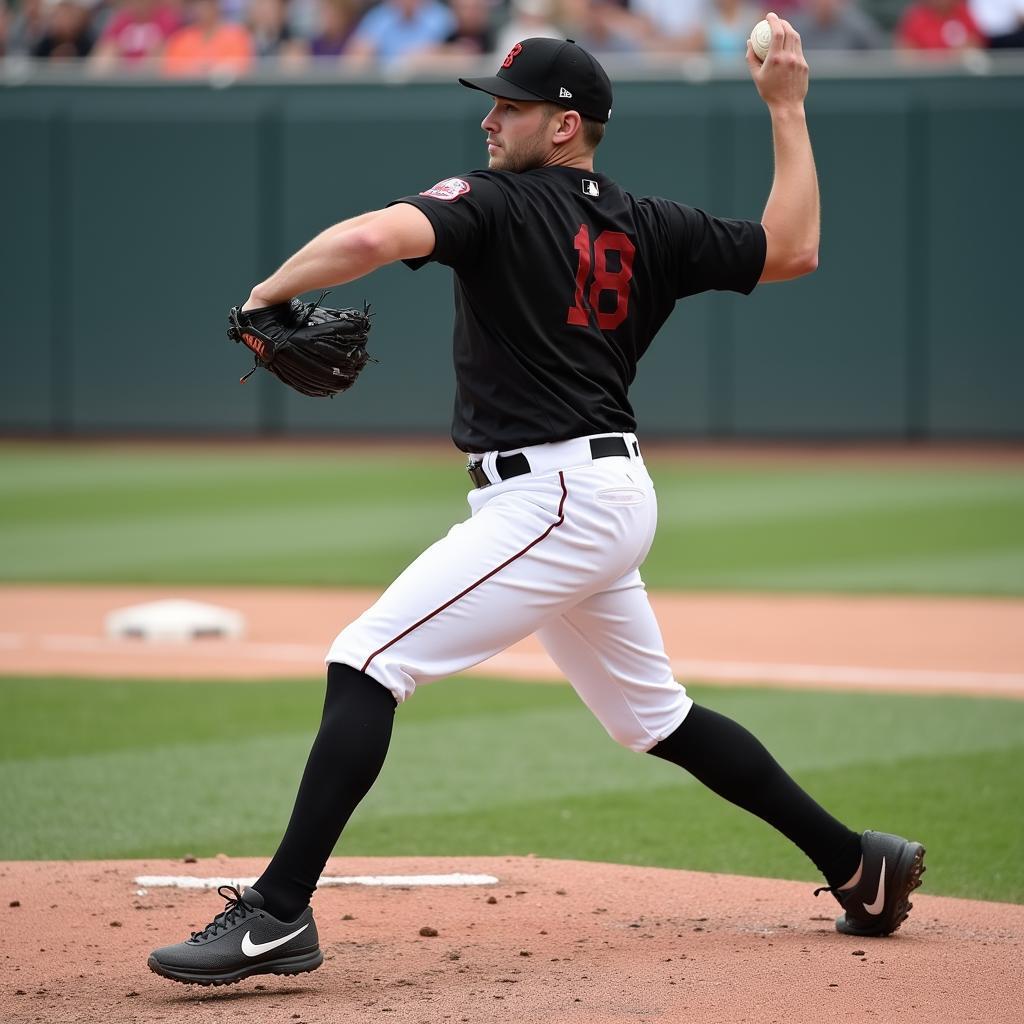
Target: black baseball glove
[(315, 350)]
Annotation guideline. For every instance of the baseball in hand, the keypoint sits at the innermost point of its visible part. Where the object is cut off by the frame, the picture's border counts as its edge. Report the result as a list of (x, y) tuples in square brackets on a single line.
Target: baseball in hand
[(760, 38)]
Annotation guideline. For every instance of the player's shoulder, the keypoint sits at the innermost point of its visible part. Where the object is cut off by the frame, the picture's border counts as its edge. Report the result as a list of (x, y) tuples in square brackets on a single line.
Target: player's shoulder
[(475, 184), (665, 213), (494, 181), (660, 204)]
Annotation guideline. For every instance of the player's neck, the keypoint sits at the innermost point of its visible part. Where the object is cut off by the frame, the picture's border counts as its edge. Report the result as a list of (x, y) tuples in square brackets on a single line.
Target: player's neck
[(579, 161)]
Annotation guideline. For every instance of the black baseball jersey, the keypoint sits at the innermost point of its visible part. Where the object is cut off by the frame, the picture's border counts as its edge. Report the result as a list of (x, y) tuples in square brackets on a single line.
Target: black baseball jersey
[(562, 280)]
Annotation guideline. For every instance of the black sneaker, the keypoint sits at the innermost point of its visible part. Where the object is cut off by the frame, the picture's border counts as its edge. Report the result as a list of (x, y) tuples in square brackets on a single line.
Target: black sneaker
[(242, 939), (880, 902)]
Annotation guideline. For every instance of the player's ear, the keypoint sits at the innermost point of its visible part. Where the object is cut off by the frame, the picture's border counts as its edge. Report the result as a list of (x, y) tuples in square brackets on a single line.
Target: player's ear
[(568, 126)]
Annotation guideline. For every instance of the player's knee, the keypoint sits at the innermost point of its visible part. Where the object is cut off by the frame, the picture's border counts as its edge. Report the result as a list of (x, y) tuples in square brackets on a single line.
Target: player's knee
[(344, 680), (355, 646), (630, 735), (640, 725)]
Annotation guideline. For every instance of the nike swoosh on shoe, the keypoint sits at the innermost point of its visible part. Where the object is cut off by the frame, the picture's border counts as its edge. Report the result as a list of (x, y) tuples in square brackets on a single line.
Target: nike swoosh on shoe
[(879, 902), (250, 948)]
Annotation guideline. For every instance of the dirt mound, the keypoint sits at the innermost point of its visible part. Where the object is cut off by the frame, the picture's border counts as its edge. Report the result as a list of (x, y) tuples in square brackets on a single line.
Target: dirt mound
[(551, 941)]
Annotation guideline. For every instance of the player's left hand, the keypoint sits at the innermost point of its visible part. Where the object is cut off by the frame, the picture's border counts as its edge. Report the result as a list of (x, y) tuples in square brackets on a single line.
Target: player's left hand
[(782, 78), (317, 351)]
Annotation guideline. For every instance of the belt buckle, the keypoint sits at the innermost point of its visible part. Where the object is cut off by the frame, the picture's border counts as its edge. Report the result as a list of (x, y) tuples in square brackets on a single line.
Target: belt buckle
[(477, 474)]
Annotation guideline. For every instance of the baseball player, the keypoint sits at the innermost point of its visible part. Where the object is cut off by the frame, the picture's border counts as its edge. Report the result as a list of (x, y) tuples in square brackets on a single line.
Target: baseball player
[(562, 280)]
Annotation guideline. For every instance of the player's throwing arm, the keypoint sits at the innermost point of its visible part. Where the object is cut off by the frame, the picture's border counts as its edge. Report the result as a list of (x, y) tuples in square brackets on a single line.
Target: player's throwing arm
[(792, 215)]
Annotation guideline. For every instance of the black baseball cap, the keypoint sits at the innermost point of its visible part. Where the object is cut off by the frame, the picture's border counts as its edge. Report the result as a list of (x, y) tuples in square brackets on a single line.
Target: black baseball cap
[(556, 70)]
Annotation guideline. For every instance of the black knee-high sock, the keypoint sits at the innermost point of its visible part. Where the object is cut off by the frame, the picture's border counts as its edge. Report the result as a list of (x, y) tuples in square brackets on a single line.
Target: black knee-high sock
[(734, 764), (345, 760)]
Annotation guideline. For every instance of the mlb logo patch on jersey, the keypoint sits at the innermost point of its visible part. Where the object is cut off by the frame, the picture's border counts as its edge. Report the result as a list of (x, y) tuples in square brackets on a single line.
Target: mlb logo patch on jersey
[(449, 190), (591, 187)]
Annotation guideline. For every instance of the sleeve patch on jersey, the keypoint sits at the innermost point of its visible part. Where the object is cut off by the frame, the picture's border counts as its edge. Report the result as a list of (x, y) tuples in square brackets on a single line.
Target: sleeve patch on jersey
[(448, 190)]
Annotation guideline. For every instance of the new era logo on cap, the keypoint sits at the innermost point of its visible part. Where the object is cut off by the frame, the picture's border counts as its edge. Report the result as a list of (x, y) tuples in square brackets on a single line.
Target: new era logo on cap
[(556, 70)]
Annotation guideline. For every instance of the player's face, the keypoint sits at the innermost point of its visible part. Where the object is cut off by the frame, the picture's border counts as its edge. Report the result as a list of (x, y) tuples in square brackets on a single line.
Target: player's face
[(518, 135)]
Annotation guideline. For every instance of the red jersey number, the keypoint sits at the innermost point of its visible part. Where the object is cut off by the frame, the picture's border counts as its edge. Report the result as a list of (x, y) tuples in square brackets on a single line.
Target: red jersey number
[(604, 279)]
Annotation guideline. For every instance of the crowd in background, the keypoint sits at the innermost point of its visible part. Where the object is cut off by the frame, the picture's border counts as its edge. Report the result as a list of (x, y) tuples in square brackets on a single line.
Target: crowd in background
[(185, 37)]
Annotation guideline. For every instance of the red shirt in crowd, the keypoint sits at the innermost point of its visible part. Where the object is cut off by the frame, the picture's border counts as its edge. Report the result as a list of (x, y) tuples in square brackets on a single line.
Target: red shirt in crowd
[(135, 34), (923, 27)]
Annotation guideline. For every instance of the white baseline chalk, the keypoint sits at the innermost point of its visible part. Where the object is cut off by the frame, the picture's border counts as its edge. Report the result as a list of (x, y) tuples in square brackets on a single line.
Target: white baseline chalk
[(399, 881)]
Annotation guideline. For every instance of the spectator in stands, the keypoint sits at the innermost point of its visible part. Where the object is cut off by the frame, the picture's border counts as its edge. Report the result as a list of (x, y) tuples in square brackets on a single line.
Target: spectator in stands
[(270, 32), (675, 26), (26, 25), (1001, 21), (3, 28), (729, 25), (338, 21), (137, 31), (528, 19), (396, 29), (303, 17), (473, 34), (837, 25), (67, 30), (207, 44), (939, 25), (607, 26), (234, 11)]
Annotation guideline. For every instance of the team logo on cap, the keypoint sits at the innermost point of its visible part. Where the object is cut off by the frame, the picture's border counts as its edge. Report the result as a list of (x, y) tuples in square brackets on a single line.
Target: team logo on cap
[(512, 54), (448, 190)]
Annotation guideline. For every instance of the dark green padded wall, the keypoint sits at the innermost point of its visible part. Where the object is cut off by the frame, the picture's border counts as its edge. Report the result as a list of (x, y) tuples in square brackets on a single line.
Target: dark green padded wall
[(162, 228), (133, 216), (825, 354), (31, 343), (972, 306)]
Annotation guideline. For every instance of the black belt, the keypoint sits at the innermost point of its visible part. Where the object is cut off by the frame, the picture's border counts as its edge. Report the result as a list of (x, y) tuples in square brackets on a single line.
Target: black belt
[(508, 466)]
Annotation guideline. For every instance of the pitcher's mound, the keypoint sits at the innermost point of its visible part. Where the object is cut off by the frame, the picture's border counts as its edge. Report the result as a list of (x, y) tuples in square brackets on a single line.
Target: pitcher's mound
[(549, 941)]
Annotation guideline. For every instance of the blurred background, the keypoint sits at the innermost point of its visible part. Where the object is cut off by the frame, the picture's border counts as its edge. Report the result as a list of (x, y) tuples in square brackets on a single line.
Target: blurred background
[(188, 36), (161, 156)]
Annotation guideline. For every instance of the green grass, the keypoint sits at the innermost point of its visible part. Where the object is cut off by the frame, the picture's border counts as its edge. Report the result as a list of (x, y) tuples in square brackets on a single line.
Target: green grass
[(205, 515), (126, 769)]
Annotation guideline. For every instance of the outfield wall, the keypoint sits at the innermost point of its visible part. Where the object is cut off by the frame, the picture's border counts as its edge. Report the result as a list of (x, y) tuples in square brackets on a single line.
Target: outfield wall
[(134, 215)]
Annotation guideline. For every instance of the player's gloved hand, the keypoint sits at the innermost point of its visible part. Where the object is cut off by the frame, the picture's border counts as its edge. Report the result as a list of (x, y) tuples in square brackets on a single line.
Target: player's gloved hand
[(316, 350)]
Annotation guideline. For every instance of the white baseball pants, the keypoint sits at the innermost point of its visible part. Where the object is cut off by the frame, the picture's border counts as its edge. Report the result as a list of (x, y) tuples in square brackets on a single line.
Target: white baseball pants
[(554, 552)]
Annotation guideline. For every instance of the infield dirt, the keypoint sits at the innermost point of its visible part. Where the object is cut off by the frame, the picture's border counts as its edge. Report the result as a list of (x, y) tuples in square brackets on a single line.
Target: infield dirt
[(916, 645), (551, 942)]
